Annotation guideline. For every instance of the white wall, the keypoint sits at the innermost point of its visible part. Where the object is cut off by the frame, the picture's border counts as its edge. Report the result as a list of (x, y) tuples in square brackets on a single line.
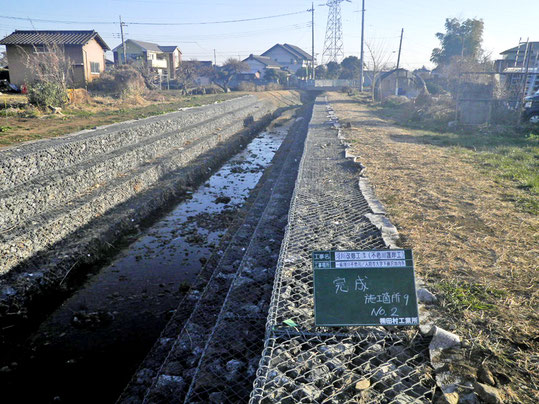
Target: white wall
[(285, 58)]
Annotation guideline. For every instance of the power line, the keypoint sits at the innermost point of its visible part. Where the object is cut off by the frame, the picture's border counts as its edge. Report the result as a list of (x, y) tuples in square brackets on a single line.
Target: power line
[(154, 23)]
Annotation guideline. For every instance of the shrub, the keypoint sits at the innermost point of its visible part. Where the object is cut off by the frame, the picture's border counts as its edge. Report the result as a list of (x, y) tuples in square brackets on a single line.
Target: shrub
[(434, 87), (395, 100), (246, 86), (44, 94), (273, 86), (123, 81)]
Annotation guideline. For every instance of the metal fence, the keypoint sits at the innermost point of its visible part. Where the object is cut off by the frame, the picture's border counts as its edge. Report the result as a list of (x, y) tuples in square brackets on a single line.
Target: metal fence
[(314, 84)]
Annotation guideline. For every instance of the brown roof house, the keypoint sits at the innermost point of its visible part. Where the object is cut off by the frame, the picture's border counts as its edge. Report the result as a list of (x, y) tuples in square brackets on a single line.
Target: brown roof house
[(161, 59), (83, 51)]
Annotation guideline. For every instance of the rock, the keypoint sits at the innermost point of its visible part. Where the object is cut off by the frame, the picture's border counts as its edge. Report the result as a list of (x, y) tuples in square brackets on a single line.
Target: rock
[(426, 329), (310, 392), (448, 398), (404, 399), (222, 199), (5, 369), (144, 376), (488, 394), (425, 296), (8, 291), (250, 310), (363, 384), (443, 339), (216, 397), (386, 373), (470, 398), (320, 375), (234, 365), (341, 350), (169, 381), (485, 375)]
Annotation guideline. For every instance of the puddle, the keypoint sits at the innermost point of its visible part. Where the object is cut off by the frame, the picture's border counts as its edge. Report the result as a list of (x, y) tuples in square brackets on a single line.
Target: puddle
[(90, 347)]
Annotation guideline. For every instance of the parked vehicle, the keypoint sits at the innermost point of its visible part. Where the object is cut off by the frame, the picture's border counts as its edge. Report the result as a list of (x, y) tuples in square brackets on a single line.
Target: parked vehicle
[(531, 108)]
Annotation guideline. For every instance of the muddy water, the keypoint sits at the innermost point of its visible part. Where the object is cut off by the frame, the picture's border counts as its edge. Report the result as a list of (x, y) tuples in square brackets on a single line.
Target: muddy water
[(87, 350)]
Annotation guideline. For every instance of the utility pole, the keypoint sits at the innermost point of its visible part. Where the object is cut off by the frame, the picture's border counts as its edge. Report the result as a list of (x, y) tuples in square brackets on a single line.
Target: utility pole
[(313, 75), (362, 39), (398, 63), (123, 42), (214, 58)]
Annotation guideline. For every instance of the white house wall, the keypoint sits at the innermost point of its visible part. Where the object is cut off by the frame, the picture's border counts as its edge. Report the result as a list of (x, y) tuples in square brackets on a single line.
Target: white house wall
[(255, 66), (285, 58)]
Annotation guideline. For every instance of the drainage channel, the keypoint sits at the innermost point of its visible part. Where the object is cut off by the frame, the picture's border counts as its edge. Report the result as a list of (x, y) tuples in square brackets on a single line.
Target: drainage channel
[(87, 350)]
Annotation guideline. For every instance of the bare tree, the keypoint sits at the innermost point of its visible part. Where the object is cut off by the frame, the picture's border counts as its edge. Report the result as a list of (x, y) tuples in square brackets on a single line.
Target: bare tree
[(3, 59), (49, 63), (377, 61), (230, 68), (52, 73)]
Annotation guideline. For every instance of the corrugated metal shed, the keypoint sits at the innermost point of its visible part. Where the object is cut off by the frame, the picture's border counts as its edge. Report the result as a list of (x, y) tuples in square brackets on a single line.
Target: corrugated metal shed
[(53, 37)]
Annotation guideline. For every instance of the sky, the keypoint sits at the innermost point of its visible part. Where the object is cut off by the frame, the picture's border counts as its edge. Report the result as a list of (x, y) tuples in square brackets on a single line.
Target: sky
[(505, 23)]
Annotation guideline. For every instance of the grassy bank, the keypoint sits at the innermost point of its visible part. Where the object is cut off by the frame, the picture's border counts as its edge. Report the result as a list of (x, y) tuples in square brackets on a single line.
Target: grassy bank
[(466, 202), (24, 123), (507, 154)]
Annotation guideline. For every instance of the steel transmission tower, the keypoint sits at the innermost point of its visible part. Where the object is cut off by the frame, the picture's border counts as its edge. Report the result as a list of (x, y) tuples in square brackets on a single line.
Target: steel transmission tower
[(333, 44)]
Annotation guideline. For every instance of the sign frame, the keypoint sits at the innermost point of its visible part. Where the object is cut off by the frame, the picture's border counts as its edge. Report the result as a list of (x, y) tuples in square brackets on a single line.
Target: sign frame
[(367, 262)]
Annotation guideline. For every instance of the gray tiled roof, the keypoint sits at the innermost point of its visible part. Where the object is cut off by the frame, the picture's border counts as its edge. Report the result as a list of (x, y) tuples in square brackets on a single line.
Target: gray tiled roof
[(146, 45), (168, 48), (265, 60), (292, 49), (522, 48), (298, 50), (149, 46), (53, 37)]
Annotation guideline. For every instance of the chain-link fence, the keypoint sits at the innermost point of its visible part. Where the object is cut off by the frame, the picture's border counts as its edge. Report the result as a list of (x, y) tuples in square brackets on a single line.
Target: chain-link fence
[(332, 365), (242, 350)]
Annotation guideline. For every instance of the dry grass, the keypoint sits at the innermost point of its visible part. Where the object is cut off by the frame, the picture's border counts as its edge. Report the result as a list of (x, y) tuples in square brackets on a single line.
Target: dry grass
[(472, 244), (25, 124)]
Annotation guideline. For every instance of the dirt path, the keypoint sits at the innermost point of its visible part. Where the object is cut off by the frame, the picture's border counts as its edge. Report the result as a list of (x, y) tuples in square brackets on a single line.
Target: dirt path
[(473, 247)]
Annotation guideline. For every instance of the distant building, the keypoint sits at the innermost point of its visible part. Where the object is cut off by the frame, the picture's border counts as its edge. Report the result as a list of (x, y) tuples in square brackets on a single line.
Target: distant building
[(162, 59), (85, 51), (261, 64), (514, 63), (423, 72), (290, 57), (398, 82), (203, 70)]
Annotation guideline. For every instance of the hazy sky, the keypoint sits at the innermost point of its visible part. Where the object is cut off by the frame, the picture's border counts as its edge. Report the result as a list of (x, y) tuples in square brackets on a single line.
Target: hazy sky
[(505, 23)]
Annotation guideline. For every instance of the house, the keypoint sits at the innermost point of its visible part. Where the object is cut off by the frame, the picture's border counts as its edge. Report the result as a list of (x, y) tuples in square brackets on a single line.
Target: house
[(83, 50), (290, 57), (513, 67), (245, 78), (514, 57), (202, 71), (398, 82), (261, 64), (161, 59)]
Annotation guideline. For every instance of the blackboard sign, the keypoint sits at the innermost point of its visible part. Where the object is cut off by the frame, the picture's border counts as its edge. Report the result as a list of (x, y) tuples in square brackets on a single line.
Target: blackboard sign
[(373, 287)]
